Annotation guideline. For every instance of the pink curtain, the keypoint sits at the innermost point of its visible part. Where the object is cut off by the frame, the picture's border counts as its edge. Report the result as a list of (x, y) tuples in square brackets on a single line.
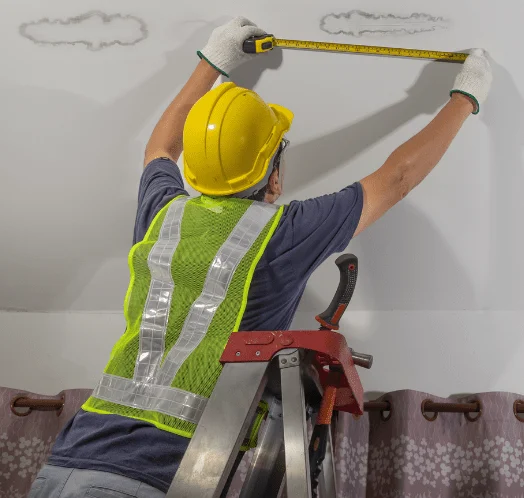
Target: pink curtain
[(401, 453), (451, 456), (25, 441)]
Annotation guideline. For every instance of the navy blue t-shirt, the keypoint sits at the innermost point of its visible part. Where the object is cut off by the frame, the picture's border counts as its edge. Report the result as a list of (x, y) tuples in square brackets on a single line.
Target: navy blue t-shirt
[(308, 233)]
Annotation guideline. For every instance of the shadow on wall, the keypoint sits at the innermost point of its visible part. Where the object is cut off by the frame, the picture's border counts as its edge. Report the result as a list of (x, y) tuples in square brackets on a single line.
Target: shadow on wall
[(405, 262), (248, 74), (77, 155), (505, 118), (334, 150), (408, 265)]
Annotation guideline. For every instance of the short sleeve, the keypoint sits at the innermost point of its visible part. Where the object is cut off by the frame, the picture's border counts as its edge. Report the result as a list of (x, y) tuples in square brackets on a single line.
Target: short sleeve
[(160, 183), (319, 227)]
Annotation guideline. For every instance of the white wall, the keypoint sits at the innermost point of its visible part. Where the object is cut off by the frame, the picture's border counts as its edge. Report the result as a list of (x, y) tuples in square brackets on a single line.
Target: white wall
[(438, 352), (48, 352), (439, 300)]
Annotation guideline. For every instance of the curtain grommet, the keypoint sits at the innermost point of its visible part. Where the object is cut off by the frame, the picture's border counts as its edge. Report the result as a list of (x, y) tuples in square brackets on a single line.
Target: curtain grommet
[(61, 409), (518, 416), (15, 410), (429, 418), (468, 415), (384, 417)]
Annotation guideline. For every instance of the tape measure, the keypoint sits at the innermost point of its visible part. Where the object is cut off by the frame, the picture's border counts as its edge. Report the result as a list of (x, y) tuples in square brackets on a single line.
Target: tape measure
[(265, 43)]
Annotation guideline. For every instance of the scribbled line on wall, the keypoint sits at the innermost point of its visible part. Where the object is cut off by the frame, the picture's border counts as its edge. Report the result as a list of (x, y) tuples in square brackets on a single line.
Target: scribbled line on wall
[(95, 30), (359, 23)]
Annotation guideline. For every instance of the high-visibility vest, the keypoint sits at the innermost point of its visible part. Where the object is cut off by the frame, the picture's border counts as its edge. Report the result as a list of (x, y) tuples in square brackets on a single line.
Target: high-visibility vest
[(190, 278)]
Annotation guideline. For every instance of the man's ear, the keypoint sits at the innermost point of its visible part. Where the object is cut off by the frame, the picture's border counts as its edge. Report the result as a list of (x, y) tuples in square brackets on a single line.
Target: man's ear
[(273, 178)]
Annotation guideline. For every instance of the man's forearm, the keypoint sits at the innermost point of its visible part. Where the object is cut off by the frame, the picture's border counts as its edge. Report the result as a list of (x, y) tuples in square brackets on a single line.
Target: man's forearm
[(166, 139), (408, 165), (415, 159)]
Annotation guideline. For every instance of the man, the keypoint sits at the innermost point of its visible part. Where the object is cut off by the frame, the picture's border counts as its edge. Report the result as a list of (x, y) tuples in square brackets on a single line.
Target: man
[(225, 261)]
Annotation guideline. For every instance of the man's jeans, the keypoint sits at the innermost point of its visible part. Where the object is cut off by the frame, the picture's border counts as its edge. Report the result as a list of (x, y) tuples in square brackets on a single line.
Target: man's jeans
[(62, 482)]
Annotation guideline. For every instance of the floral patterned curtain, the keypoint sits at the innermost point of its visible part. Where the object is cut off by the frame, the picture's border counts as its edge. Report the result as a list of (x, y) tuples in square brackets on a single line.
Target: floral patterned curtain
[(404, 453), (25, 441)]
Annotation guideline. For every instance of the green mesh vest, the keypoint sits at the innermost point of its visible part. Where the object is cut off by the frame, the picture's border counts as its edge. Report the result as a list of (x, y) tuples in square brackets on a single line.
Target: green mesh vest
[(190, 278)]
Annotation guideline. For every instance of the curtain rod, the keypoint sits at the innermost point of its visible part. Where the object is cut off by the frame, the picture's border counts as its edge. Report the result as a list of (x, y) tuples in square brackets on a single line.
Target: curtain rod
[(427, 407)]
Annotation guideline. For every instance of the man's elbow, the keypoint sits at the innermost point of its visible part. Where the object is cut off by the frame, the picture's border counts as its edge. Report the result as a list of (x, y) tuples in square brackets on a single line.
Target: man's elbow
[(400, 182), (154, 152), (404, 186)]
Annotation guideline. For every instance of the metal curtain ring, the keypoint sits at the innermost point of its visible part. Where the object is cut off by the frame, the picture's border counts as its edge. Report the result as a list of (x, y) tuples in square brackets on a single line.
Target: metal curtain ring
[(518, 416), (15, 410), (469, 416), (424, 414), (383, 417)]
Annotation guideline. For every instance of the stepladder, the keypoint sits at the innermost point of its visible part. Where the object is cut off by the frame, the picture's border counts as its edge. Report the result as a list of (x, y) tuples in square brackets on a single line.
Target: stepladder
[(298, 380)]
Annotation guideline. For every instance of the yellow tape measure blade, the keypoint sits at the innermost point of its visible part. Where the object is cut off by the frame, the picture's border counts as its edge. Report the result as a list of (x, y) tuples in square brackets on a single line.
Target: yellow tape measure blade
[(370, 50)]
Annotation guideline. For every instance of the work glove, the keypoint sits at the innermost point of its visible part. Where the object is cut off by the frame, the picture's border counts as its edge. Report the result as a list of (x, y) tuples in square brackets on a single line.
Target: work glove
[(224, 48), (475, 78)]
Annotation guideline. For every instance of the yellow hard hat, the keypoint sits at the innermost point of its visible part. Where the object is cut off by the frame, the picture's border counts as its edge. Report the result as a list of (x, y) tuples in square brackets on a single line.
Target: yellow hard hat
[(230, 135)]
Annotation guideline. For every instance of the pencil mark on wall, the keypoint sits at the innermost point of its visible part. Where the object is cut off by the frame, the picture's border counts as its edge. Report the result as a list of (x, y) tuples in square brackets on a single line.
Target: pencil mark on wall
[(359, 23), (95, 30)]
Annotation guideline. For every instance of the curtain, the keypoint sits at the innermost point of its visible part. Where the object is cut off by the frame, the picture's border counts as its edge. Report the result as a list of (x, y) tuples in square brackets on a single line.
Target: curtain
[(25, 441), (410, 456), (400, 453)]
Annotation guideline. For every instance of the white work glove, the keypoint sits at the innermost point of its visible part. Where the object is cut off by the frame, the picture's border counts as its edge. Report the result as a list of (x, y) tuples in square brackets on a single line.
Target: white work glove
[(475, 78), (224, 48)]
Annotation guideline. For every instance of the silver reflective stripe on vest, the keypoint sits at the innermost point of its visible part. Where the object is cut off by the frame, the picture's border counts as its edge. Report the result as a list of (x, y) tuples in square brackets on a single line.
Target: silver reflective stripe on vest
[(215, 287), (156, 309), (163, 399)]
